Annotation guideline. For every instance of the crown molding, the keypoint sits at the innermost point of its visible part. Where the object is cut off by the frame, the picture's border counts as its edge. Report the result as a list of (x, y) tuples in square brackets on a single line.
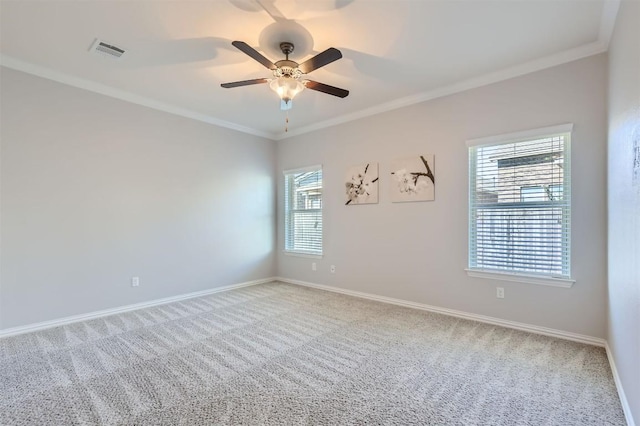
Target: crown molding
[(92, 86), (608, 21), (473, 83), (607, 24)]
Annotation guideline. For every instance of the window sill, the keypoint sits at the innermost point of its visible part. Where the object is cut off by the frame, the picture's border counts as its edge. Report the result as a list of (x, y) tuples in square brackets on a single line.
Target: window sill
[(302, 254), (521, 278)]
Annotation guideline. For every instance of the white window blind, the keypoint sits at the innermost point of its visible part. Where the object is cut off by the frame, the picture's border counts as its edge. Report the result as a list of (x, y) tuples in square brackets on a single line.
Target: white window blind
[(520, 204), (303, 210)]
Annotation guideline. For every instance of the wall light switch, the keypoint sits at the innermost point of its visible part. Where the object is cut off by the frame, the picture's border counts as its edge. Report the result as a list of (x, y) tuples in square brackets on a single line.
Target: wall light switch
[(135, 281)]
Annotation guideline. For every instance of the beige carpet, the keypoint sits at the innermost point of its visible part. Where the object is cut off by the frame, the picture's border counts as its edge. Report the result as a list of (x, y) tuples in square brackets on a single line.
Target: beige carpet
[(281, 354)]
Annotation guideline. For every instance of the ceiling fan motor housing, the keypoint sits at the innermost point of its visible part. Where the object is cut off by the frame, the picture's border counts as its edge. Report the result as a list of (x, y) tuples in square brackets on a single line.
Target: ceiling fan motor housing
[(287, 69)]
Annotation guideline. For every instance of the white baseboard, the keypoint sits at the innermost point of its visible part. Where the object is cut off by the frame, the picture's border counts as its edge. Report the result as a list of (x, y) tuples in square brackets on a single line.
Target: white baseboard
[(616, 378), (106, 312), (490, 320), (460, 314), (451, 312)]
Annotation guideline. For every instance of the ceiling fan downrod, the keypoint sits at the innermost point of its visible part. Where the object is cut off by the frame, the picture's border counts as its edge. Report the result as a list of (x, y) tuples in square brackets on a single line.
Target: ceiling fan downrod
[(287, 48)]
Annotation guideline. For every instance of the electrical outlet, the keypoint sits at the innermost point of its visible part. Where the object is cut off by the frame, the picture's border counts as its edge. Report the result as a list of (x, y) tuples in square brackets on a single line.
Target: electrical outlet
[(333, 269), (500, 292), (314, 267), (135, 281)]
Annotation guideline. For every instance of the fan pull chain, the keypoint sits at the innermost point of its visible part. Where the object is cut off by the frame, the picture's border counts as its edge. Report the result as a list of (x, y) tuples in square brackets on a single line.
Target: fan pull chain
[(286, 123)]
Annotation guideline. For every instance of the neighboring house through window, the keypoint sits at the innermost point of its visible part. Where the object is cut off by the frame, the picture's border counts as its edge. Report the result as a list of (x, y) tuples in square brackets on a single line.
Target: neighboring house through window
[(520, 203), (303, 211)]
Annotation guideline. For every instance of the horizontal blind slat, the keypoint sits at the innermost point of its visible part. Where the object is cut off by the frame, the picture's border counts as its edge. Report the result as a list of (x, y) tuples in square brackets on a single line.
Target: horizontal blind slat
[(303, 210), (519, 196)]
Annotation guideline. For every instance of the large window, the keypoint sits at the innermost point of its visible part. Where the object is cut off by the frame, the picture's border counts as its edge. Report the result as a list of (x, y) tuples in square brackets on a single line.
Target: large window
[(520, 203), (303, 210)]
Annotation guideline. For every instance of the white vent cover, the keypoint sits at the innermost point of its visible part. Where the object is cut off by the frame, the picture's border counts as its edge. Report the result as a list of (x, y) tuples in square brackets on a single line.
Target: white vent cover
[(102, 48)]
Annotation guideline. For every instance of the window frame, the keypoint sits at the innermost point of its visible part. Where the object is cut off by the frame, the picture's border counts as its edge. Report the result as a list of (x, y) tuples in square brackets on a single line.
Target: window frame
[(565, 281), (289, 213)]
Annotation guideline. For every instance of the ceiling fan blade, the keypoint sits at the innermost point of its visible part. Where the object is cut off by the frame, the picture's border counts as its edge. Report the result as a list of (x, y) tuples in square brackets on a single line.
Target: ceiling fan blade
[(320, 60), (244, 83), (244, 47), (325, 88)]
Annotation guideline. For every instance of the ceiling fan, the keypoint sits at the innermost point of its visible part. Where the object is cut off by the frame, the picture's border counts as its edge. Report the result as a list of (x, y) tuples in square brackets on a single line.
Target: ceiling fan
[(288, 81)]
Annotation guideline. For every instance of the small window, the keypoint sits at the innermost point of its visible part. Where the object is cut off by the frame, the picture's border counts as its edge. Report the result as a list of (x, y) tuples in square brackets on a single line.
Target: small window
[(303, 211), (520, 204)]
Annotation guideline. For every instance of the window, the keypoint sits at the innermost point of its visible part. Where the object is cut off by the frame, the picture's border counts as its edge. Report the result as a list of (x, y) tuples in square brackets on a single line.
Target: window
[(520, 203), (303, 211)]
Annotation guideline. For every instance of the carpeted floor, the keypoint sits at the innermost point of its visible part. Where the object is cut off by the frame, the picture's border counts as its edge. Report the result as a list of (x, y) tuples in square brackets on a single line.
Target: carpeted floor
[(281, 354)]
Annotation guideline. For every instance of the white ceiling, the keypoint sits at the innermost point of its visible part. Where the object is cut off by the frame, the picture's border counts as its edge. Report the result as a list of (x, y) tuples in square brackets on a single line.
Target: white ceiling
[(395, 52)]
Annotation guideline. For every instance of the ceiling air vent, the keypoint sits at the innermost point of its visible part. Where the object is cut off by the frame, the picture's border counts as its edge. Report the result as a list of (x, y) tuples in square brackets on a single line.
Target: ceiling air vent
[(102, 48)]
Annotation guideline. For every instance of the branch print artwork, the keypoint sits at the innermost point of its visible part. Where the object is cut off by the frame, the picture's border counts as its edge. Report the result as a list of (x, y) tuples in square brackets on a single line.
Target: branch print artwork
[(413, 179), (361, 184)]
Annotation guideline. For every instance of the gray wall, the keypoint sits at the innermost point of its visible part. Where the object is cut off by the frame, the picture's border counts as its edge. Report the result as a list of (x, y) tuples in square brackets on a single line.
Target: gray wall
[(624, 202), (96, 190), (418, 251), (93, 194)]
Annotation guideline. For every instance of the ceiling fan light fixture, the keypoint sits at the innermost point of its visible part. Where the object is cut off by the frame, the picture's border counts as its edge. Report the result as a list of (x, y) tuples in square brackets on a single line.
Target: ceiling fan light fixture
[(286, 87)]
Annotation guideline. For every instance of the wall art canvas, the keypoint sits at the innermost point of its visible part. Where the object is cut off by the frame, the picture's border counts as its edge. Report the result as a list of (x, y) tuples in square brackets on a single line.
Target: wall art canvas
[(361, 184), (413, 179)]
